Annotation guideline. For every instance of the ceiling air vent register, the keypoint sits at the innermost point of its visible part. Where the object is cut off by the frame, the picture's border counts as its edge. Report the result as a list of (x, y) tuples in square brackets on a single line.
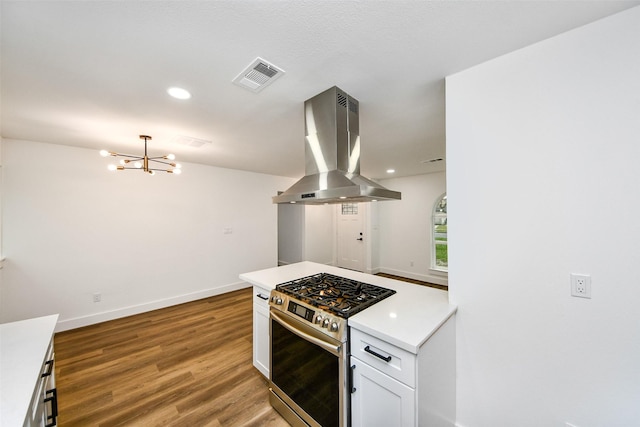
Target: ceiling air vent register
[(258, 75), (189, 141)]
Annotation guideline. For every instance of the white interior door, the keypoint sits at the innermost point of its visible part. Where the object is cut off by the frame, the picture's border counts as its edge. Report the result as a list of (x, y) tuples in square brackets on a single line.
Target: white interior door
[(351, 239)]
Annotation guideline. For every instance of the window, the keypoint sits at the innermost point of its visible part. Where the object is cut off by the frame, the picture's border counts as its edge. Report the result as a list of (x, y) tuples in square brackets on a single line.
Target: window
[(349, 209), (439, 254)]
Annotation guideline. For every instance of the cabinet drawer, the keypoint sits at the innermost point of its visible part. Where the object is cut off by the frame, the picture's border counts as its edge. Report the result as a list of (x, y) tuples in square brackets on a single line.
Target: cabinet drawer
[(261, 296), (387, 358)]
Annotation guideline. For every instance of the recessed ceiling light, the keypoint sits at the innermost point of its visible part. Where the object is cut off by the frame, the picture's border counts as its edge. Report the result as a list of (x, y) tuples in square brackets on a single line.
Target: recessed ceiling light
[(391, 170), (179, 93)]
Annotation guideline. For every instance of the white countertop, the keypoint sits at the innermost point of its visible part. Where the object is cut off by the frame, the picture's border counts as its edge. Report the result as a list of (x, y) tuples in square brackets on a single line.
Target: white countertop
[(406, 319), (23, 348)]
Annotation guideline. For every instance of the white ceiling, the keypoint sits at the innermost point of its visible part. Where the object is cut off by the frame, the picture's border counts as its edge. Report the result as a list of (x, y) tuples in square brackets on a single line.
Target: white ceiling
[(95, 73)]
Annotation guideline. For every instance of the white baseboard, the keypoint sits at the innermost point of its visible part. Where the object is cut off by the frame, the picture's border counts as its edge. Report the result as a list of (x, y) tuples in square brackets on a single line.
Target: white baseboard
[(431, 278), (78, 322)]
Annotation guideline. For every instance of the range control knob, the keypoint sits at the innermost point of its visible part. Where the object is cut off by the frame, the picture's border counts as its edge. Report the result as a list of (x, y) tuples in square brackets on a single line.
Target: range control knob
[(334, 327), (317, 319), (273, 298), (325, 323), (278, 301)]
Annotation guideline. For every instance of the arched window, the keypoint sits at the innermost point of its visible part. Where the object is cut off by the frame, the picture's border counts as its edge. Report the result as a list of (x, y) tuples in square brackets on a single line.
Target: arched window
[(439, 255)]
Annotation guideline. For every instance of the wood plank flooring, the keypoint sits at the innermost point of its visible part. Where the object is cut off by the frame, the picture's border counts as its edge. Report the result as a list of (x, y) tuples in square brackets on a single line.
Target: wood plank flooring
[(417, 282), (186, 365)]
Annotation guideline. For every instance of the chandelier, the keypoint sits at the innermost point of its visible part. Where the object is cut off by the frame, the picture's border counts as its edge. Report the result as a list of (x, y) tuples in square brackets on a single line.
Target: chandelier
[(145, 163)]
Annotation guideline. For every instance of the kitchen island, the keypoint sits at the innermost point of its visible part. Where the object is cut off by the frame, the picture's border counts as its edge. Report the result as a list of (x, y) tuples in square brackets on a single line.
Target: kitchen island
[(414, 329)]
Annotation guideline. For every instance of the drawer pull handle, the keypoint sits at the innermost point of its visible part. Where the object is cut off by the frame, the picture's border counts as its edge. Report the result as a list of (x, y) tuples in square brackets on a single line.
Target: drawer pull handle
[(386, 359), (262, 297), (49, 369), (51, 418), (353, 389)]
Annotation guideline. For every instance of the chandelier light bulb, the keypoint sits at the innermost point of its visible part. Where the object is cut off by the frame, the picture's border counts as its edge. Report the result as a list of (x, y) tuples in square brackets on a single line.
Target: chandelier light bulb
[(144, 162), (178, 166), (177, 171)]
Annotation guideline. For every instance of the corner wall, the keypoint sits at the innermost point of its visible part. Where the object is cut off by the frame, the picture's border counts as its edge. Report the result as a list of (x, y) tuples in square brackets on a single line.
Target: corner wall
[(404, 227), (542, 175), (319, 234), (72, 229)]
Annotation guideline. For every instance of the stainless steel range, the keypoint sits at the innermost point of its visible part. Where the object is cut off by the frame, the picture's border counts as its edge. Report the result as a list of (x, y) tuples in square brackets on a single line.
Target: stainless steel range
[(309, 351)]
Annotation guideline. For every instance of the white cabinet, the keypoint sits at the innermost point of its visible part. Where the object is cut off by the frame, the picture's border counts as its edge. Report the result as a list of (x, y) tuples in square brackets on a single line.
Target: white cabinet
[(261, 330), (43, 409), (394, 387), (28, 390), (383, 391), (379, 400)]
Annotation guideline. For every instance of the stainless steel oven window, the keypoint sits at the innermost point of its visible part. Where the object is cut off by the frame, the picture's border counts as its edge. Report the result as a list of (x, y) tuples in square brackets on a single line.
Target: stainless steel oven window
[(309, 375)]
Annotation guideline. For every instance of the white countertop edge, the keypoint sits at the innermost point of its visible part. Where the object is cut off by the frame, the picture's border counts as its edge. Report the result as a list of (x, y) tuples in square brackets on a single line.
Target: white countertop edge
[(410, 347), (268, 278)]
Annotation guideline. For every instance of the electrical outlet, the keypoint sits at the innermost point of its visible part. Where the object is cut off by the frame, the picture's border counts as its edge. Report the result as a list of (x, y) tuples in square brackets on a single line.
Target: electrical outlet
[(581, 285), (97, 297), (410, 263)]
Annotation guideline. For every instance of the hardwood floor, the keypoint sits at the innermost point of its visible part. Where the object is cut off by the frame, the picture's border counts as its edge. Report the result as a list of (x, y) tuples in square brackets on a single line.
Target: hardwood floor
[(186, 365), (417, 282)]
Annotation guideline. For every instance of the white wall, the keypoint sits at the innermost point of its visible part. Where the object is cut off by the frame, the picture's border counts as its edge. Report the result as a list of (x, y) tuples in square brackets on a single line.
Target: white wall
[(543, 179), (372, 229), (71, 229), (404, 227), (290, 233), (306, 233), (319, 234), (1, 191)]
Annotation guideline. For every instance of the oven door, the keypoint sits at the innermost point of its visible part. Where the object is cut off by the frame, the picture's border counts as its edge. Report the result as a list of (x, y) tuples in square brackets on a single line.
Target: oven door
[(307, 373)]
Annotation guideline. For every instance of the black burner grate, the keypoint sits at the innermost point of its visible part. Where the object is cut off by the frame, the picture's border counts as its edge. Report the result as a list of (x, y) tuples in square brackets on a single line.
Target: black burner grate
[(339, 295)]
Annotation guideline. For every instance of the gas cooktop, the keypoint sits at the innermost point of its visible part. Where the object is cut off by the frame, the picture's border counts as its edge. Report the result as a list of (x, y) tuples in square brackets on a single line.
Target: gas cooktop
[(338, 295)]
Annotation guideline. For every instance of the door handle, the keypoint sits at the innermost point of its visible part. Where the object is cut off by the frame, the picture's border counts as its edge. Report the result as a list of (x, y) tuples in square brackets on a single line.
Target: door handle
[(359, 238), (353, 389)]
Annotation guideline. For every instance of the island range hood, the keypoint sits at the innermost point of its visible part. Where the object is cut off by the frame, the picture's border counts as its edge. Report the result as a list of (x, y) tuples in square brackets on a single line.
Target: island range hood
[(332, 154)]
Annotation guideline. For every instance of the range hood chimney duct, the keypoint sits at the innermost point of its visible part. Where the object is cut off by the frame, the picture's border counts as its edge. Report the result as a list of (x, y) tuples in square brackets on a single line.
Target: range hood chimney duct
[(332, 155)]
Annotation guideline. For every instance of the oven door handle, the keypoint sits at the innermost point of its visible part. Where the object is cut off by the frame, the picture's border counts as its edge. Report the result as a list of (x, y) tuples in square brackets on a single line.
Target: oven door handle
[(317, 341)]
